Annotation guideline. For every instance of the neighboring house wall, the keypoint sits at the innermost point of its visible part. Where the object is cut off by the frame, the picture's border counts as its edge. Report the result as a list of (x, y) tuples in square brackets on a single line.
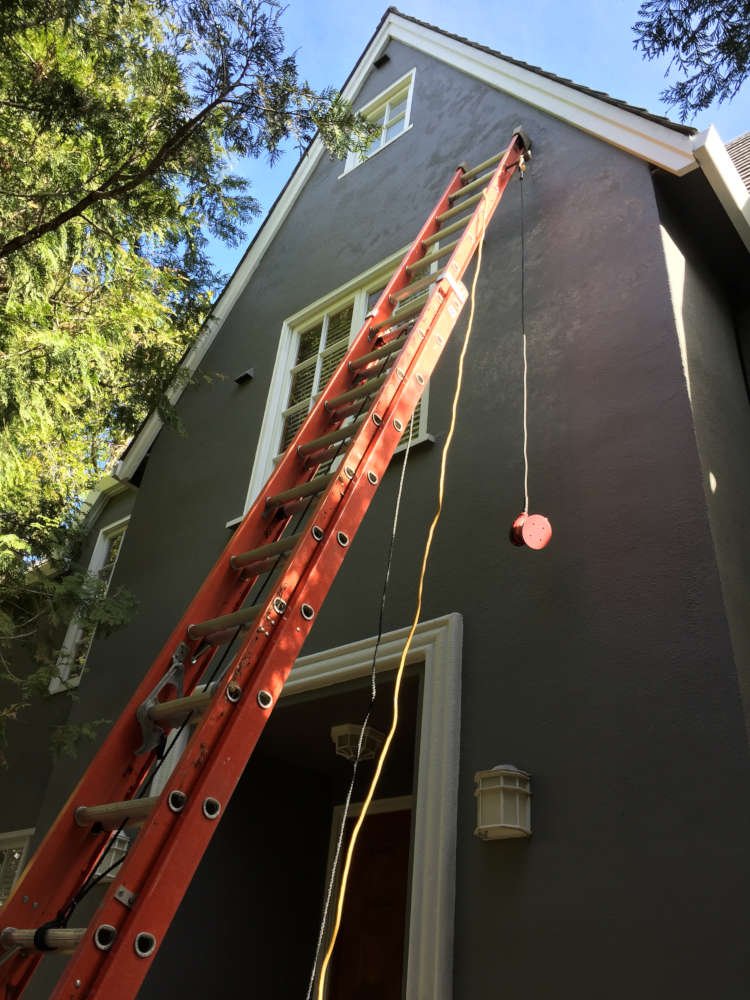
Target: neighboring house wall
[(22, 783), (708, 315), (603, 665)]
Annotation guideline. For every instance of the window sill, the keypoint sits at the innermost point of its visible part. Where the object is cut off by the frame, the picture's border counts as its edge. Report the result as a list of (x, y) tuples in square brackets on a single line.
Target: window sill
[(361, 163), (422, 438)]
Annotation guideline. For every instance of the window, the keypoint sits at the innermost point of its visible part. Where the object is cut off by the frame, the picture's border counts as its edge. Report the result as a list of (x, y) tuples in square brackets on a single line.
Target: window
[(319, 351), (312, 344), (78, 639), (13, 850), (391, 110)]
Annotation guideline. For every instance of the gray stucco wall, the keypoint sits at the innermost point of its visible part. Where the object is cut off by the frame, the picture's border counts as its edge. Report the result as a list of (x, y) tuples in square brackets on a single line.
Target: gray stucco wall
[(602, 665)]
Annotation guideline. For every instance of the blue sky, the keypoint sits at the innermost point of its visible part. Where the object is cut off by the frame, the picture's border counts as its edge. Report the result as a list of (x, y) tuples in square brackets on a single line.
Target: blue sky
[(589, 41)]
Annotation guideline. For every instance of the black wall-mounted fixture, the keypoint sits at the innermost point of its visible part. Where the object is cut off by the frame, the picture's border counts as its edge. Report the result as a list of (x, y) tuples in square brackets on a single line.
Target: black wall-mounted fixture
[(247, 376), (381, 61)]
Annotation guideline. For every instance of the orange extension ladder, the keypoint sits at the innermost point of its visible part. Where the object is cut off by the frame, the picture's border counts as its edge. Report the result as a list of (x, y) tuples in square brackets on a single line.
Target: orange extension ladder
[(360, 416)]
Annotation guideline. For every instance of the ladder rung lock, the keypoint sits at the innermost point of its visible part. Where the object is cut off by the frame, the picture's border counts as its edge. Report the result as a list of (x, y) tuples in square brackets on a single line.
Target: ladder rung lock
[(235, 618), (358, 392), (447, 230), (451, 213), (112, 814), (310, 447), (396, 324), (264, 551), (479, 182), (480, 167), (308, 489), (176, 711), (59, 938), (434, 255)]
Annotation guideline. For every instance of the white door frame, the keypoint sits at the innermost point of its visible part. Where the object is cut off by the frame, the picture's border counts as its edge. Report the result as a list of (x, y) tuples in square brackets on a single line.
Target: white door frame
[(437, 646)]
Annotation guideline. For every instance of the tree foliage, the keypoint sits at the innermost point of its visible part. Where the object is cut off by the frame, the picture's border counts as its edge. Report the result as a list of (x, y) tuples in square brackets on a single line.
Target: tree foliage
[(119, 124), (708, 41)]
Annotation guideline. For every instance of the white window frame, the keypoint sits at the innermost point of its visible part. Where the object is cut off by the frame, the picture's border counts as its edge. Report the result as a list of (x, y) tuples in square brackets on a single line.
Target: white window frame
[(358, 289), (16, 840), (63, 681), (437, 649), (373, 108)]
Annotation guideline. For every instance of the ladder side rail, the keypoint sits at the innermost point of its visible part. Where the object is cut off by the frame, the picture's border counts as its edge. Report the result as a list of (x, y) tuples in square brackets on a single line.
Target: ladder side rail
[(63, 859), (159, 867), (268, 671)]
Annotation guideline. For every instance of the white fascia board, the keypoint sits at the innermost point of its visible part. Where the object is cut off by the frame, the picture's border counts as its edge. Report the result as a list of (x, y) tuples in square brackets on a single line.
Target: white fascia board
[(724, 178), (630, 132), (648, 140)]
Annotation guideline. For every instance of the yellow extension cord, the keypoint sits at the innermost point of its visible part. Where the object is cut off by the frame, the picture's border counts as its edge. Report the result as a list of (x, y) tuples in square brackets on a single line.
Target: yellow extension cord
[(402, 663)]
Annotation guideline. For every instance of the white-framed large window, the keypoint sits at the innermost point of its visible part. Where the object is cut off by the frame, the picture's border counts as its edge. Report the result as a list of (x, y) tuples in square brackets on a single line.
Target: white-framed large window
[(14, 847), (312, 344), (391, 111), (79, 638)]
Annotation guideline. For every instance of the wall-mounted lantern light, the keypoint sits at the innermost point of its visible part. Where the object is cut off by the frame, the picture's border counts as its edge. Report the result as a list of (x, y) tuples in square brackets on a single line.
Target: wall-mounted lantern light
[(346, 740), (503, 803)]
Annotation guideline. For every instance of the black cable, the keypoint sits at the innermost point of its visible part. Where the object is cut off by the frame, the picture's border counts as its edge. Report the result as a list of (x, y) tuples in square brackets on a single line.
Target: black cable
[(368, 714)]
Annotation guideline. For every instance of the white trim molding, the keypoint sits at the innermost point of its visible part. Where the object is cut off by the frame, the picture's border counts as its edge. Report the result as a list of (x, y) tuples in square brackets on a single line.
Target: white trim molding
[(724, 178), (437, 647), (646, 139)]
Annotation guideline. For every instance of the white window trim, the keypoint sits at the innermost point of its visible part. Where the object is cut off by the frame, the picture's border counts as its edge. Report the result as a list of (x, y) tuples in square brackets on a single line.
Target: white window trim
[(437, 647), (353, 159), (19, 839), (63, 681), (278, 392)]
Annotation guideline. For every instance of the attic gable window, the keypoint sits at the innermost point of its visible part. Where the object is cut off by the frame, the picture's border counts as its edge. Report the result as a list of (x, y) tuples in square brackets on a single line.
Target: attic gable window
[(391, 110)]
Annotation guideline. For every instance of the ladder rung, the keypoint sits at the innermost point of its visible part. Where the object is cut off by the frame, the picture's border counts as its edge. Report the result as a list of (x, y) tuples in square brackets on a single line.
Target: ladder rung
[(382, 352), (479, 182), (175, 712), (57, 938), (457, 209), (212, 626), (433, 255), (447, 231), (308, 489), (358, 392), (483, 166), (262, 553), (303, 450), (256, 569), (112, 814), (416, 286)]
